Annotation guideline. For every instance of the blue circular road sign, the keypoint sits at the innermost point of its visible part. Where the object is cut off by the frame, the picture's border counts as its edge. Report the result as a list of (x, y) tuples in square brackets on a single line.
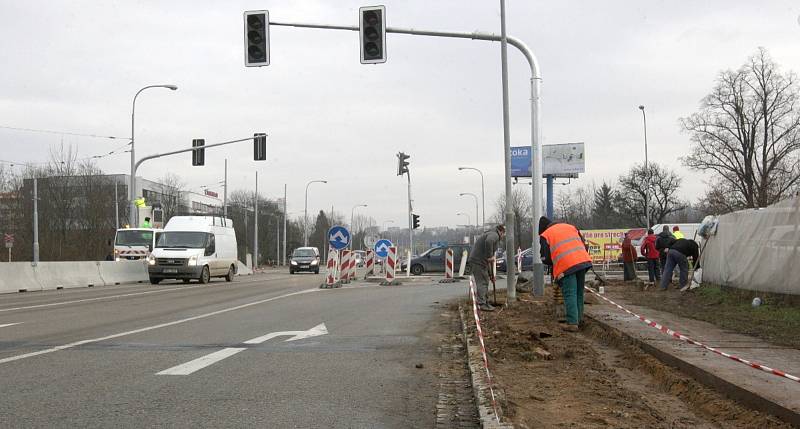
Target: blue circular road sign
[(382, 247), (338, 237)]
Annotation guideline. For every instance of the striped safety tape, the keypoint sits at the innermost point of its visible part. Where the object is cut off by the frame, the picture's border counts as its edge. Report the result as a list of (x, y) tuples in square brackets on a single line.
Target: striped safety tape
[(682, 337), (483, 346)]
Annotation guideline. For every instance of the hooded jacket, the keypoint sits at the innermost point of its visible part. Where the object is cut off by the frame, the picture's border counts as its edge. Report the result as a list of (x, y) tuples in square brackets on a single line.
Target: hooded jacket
[(648, 247), (664, 240)]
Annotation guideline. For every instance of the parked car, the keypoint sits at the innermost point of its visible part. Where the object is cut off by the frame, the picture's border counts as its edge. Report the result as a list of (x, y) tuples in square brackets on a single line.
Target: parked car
[(527, 261), (304, 259), (361, 257), (432, 260), (194, 247)]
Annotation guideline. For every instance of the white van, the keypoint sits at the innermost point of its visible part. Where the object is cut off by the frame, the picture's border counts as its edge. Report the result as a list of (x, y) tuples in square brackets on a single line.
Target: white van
[(689, 231), (194, 247), (134, 243)]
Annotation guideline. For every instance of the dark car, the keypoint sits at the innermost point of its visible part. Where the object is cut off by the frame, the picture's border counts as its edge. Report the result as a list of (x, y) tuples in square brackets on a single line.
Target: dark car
[(527, 261), (432, 260), (304, 259)]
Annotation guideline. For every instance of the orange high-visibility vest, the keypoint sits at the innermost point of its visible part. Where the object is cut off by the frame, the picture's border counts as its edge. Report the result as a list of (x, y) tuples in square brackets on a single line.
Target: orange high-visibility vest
[(566, 247)]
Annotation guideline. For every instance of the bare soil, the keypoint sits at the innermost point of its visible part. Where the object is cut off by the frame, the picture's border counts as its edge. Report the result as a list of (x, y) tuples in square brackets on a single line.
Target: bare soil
[(594, 378)]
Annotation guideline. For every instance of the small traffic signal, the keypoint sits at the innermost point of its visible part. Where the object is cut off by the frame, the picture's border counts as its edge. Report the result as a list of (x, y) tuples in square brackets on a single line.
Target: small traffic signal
[(415, 220), (259, 146), (372, 34), (402, 164), (199, 155), (256, 38)]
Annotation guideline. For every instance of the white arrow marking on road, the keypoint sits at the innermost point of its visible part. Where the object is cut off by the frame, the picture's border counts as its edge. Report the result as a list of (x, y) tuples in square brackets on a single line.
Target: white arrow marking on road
[(9, 324), (210, 359), (202, 362), (296, 335)]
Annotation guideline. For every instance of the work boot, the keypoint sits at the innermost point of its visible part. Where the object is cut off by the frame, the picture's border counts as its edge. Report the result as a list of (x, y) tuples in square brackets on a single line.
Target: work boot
[(569, 328), (486, 307)]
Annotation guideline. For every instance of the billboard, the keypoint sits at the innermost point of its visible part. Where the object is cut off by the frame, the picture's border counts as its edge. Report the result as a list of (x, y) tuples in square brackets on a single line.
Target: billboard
[(604, 244), (559, 160)]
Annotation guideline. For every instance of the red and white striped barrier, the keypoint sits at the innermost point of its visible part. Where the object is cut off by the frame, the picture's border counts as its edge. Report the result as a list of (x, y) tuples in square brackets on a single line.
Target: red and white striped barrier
[(483, 345), (344, 273), (682, 337), (449, 266), (391, 265), (353, 267), (330, 276), (519, 260), (370, 264)]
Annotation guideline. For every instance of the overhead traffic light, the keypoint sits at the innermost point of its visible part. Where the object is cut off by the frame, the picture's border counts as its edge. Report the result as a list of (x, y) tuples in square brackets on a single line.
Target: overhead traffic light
[(415, 220), (259, 146), (402, 164), (199, 155), (372, 34), (256, 38)]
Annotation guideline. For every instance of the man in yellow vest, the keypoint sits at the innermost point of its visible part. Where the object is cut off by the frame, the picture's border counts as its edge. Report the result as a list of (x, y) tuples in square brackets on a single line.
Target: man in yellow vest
[(676, 232), (564, 249)]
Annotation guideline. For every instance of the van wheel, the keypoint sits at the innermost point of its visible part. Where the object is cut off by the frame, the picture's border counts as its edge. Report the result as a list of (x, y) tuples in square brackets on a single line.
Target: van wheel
[(467, 270), (417, 269), (186, 280), (154, 280), (205, 276), (229, 276)]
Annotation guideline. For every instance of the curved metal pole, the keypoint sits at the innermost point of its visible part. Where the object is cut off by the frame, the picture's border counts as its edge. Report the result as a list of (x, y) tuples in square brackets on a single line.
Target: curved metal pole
[(483, 194), (305, 212), (469, 222), (646, 172), (476, 205)]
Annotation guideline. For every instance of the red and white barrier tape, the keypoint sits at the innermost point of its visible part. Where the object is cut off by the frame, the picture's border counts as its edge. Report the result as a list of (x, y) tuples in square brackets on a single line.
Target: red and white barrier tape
[(680, 336), (483, 346)]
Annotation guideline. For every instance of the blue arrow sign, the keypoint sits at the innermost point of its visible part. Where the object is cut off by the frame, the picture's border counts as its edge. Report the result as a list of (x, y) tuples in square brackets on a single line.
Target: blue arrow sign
[(338, 237), (382, 248)]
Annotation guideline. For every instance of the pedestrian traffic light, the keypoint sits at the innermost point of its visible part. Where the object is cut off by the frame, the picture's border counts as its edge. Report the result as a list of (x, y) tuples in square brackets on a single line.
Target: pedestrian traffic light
[(402, 164), (259, 146), (415, 220), (372, 34), (256, 38), (199, 155)]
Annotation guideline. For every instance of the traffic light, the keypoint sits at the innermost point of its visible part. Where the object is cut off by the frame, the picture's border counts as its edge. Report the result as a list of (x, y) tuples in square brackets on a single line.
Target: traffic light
[(372, 34), (402, 164), (198, 156), (256, 38), (259, 146), (415, 220)]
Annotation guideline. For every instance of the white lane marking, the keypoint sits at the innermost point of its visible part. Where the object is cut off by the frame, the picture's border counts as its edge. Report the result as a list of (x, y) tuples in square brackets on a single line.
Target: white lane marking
[(201, 362), (10, 324), (150, 328), (297, 335), (112, 297)]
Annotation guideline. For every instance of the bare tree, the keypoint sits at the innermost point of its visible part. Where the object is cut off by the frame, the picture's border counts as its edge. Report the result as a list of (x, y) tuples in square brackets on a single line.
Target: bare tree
[(747, 132), (662, 195), (523, 223), (172, 195)]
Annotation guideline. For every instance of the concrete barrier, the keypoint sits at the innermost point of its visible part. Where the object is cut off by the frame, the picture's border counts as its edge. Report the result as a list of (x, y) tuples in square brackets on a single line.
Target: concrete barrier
[(114, 273), (68, 274), (17, 277), (242, 269)]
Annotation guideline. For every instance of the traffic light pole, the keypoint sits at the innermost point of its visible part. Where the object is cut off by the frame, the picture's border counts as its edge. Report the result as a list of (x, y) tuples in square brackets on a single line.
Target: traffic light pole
[(536, 115), (410, 227)]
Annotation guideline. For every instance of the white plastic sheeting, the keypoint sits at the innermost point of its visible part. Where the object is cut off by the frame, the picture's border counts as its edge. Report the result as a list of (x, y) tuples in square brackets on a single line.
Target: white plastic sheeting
[(756, 249)]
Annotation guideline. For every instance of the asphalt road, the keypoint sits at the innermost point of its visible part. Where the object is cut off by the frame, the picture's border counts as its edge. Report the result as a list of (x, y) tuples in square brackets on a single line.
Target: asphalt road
[(175, 355)]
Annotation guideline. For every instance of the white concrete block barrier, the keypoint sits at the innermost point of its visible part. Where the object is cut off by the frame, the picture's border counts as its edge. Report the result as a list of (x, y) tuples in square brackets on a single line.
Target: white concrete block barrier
[(18, 277), (68, 274), (114, 273)]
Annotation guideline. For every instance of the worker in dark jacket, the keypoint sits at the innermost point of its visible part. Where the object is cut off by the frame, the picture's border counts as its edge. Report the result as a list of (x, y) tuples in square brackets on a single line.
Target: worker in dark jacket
[(481, 260), (664, 239), (628, 258), (678, 255), (564, 249)]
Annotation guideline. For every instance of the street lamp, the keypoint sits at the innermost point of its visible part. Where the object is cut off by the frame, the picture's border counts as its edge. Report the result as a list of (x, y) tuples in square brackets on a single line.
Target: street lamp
[(469, 222), (646, 172), (352, 228), (476, 205), (483, 194), (305, 212), (132, 217)]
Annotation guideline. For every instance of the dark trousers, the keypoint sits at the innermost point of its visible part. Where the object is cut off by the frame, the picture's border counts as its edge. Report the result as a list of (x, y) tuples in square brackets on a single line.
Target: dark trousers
[(572, 290), (675, 258), (628, 271), (653, 272)]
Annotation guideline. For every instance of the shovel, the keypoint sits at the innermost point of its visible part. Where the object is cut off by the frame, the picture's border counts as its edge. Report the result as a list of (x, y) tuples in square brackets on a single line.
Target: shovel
[(494, 285)]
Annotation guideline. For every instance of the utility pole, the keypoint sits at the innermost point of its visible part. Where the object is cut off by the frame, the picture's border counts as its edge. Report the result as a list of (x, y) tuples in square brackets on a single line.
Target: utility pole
[(116, 203), (284, 224), (511, 291), (35, 223), (410, 227), (225, 193), (255, 228)]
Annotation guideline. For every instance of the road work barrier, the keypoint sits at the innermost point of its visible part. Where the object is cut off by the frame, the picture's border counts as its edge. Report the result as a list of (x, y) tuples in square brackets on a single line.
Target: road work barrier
[(344, 264), (463, 268), (353, 270), (679, 336), (370, 264), (448, 267), (330, 274), (23, 277), (519, 261), (479, 331), (391, 264)]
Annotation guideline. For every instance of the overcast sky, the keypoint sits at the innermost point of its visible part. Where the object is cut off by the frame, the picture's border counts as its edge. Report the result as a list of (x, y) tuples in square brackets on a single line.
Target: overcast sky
[(75, 66)]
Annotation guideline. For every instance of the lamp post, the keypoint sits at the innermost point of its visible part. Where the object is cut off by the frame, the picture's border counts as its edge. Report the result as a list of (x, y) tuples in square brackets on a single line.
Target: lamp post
[(476, 205), (469, 222), (305, 212), (646, 172), (132, 217), (352, 228), (483, 194)]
